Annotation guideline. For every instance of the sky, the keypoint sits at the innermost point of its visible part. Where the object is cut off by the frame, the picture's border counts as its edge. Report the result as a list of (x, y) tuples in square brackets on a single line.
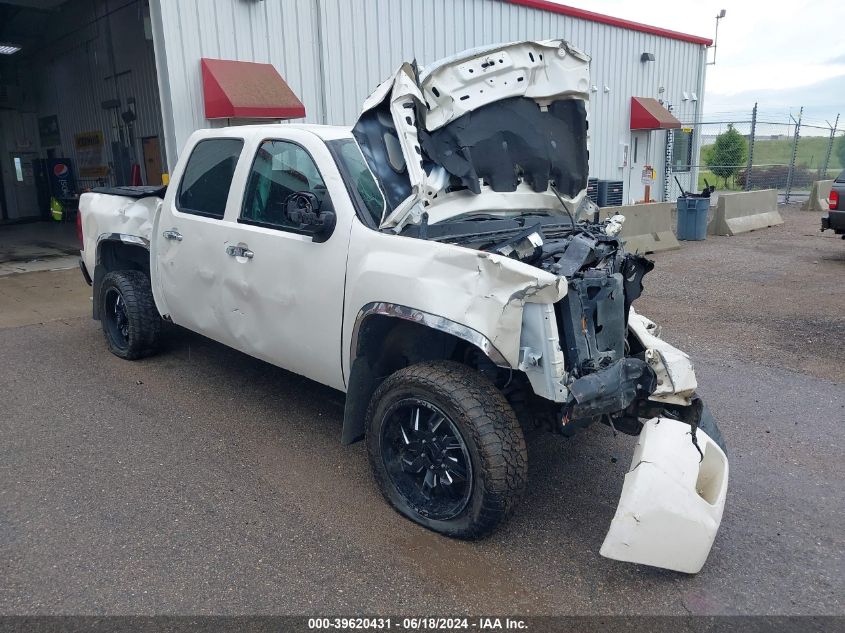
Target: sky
[(781, 54)]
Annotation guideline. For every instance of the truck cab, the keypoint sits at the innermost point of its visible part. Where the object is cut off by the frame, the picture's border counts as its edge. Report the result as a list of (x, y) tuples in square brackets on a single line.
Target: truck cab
[(232, 263)]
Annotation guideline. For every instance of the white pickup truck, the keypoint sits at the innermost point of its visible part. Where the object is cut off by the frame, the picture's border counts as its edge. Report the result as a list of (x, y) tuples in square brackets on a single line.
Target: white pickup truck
[(432, 263)]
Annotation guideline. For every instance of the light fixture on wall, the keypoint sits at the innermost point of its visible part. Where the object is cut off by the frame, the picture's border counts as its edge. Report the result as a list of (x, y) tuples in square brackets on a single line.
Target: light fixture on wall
[(9, 49), (647, 57)]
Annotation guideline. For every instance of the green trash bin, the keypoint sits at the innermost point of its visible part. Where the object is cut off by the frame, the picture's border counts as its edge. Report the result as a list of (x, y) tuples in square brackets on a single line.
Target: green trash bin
[(692, 217)]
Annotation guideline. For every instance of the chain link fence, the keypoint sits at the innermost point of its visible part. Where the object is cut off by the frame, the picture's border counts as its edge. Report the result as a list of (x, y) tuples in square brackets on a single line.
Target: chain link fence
[(765, 150)]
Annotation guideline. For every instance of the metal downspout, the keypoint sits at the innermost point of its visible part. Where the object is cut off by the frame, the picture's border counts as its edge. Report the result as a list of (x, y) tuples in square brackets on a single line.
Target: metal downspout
[(324, 115)]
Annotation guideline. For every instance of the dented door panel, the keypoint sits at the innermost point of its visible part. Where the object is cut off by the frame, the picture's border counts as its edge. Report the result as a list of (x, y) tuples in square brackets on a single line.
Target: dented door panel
[(284, 304)]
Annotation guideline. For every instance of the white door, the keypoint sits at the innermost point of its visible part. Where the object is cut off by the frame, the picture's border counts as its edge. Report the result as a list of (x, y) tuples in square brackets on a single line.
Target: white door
[(282, 290), (639, 159), (189, 248)]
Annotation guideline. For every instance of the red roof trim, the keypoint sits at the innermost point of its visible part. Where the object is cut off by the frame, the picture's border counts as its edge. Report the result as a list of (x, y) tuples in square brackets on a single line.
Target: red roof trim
[(583, 14)]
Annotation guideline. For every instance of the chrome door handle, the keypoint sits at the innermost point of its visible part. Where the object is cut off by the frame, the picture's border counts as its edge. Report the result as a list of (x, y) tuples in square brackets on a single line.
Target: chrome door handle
[(172, 235), (239, 251)]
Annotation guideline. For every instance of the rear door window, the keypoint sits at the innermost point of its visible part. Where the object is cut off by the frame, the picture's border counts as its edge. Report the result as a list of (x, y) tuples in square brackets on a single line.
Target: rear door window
[(208, 177), (841, 177)]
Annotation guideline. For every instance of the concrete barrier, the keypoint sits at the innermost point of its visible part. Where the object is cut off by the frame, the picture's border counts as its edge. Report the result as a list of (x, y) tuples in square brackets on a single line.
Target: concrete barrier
[(818, 196), (743, 212), (647, 228)]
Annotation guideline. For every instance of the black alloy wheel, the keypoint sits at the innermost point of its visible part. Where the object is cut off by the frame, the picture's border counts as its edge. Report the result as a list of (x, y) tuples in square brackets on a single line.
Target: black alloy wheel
[(426, 459), (446, 449), (117, 322), (131, 323)]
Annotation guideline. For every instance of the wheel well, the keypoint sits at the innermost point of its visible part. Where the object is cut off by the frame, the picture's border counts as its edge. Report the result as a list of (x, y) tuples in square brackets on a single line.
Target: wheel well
[(390, 343), (387, 344), (117, 255)]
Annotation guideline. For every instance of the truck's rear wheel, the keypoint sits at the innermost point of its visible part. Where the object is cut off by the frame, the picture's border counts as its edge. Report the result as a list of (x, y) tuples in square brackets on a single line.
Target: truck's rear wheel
[(130, 320), (446, 448)]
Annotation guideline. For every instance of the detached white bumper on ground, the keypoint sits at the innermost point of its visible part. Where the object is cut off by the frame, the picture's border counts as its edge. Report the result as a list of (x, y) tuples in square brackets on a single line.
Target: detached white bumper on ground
[(672, 500)]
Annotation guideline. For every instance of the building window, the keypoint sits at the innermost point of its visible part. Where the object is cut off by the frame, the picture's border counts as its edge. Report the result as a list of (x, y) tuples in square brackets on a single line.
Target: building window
[(682, 150)]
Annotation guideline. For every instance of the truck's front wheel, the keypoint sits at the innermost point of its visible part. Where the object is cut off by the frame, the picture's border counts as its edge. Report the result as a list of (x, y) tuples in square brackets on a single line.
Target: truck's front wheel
[(446, 448), (130, 320)]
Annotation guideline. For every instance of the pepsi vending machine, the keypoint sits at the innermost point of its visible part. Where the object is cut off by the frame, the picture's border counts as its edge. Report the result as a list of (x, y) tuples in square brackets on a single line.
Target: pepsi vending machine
[(62, 181), (54, 178)]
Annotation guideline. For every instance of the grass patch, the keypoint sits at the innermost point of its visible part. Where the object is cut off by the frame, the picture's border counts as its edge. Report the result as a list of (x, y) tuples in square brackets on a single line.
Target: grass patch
[(771, 156), (810, 155), (811, 152), (713, 179)]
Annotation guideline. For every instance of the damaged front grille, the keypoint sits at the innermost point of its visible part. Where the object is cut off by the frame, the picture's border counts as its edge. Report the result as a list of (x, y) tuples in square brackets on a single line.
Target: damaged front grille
[(591, 320), (603, 281)]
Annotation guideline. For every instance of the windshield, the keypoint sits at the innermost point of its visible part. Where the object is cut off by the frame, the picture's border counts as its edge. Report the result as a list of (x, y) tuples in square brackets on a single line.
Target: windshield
[(359, 179)]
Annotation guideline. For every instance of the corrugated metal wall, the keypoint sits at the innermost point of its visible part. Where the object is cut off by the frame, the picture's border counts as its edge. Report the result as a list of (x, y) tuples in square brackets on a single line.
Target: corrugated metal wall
[(358, 43), (72, 74), (284, 33)]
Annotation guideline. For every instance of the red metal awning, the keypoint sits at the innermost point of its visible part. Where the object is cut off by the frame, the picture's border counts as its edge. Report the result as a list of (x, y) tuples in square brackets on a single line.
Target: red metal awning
[(648, 114), (234, 89)]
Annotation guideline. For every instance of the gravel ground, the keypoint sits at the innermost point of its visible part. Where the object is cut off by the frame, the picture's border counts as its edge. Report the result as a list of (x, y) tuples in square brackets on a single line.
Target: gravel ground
[(204, 481), (775, 297)]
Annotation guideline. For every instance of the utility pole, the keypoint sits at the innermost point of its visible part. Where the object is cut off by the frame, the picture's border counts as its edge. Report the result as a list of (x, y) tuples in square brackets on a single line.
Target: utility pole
[(721, 14)]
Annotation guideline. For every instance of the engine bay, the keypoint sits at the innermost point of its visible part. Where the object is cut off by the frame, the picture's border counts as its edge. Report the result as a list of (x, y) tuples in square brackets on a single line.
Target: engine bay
[(604, 375)]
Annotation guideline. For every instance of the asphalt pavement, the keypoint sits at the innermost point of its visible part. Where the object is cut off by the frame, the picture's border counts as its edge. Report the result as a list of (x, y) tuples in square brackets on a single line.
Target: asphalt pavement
[(204, 481)]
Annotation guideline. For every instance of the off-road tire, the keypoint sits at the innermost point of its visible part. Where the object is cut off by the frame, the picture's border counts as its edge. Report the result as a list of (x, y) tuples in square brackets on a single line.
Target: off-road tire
[(142, 318), (488, 427)]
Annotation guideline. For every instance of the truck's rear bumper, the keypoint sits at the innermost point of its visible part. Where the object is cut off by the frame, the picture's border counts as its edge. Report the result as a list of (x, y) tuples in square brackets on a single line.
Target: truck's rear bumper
[(672, 500)]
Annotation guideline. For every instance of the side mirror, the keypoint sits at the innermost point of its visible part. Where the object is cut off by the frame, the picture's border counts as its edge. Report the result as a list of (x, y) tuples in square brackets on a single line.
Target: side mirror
[(314, 216)]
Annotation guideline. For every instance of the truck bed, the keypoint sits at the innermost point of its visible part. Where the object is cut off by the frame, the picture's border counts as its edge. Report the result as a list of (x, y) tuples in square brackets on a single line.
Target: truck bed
[(117, 213), (145, 191)]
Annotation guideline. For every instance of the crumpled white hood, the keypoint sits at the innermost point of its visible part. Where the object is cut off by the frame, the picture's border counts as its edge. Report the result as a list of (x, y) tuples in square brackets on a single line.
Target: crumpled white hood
[(391, 137), (544, 71)]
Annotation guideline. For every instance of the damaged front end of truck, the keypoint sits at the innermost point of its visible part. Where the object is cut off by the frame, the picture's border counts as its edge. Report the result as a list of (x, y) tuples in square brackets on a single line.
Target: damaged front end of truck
[(488, 152)]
